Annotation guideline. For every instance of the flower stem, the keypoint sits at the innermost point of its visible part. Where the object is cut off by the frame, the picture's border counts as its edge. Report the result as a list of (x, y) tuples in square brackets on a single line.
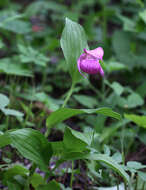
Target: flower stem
[(136, 183), (64, 104), (32, 170), (72, 175), (68, 95), (143, 185), (103, 89)]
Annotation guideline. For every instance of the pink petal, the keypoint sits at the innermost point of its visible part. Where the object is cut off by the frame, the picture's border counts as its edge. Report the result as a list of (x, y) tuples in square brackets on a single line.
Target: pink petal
[(79, 69), (101, 71), (97, 53), (90, 66)]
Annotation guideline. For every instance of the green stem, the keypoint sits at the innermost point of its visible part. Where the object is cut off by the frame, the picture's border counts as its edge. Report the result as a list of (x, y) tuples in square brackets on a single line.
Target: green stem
[(103, 89), (47, 133), (143, 185), (125, 186), (123, 154), (122, 145), (96, 90), (93, 139), (72, 175), (64, 104), (68, 95), (136, 182), (117, 186), (46, 176), (32, 170), (117, 183), (44, 79)]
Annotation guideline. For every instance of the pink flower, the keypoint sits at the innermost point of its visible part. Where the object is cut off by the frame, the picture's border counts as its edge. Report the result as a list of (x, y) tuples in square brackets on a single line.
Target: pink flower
[(88, 62)]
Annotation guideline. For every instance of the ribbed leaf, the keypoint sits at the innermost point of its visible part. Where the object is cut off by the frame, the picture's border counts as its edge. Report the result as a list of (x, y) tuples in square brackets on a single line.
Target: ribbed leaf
[(138, 119), (53, 185), (32, 145), (99, 157), (4, 140), (4, 101), (73, 41), (65, 113)]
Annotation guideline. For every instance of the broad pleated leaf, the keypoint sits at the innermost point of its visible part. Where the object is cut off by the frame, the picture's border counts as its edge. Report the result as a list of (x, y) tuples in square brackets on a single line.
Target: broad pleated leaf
[(139, 120), (65, 113), (73, 41), (99, 157), (32, 145)]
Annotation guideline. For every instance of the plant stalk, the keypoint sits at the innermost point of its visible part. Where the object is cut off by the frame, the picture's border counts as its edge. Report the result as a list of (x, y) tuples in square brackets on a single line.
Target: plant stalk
[(32, 170), (68, 95), (72, 175), (143, 185), (64, 104), (136, 184)]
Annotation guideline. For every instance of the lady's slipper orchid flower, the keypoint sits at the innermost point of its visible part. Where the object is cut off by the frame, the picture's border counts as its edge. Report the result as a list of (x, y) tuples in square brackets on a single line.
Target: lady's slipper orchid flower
[(88, 62)]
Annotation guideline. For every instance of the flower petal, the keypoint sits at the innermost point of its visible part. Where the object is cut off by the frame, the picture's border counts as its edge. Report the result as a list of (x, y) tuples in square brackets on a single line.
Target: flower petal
[(90, 66), (101, 71), (78, 65), (97, 53)]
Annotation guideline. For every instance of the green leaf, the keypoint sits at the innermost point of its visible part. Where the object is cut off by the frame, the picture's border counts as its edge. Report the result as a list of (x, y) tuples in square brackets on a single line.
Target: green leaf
[(13, 185), (114, 66), (28, 55), (10, 21), (118, 88), (10, 68), (102, 158), (4, 101), (141, 89), (86, 137), (121, 44), (2, 45), (124, 42), (142, 136), (134, 100), (57, 147), (37, 180), (32, 145), (125, 47), (50, 102), (17, 26), (7, 16), (11, 175), (135, 165), (109, 132), (87, 101), (73, 140), (142, 15), (139, 120), (128, 24), (142, 175), (12, 112), (15, 170), (65, 113), (38, 7), (73, 41), (53, 185), (111, 163), (121, 187), (4, 140)]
